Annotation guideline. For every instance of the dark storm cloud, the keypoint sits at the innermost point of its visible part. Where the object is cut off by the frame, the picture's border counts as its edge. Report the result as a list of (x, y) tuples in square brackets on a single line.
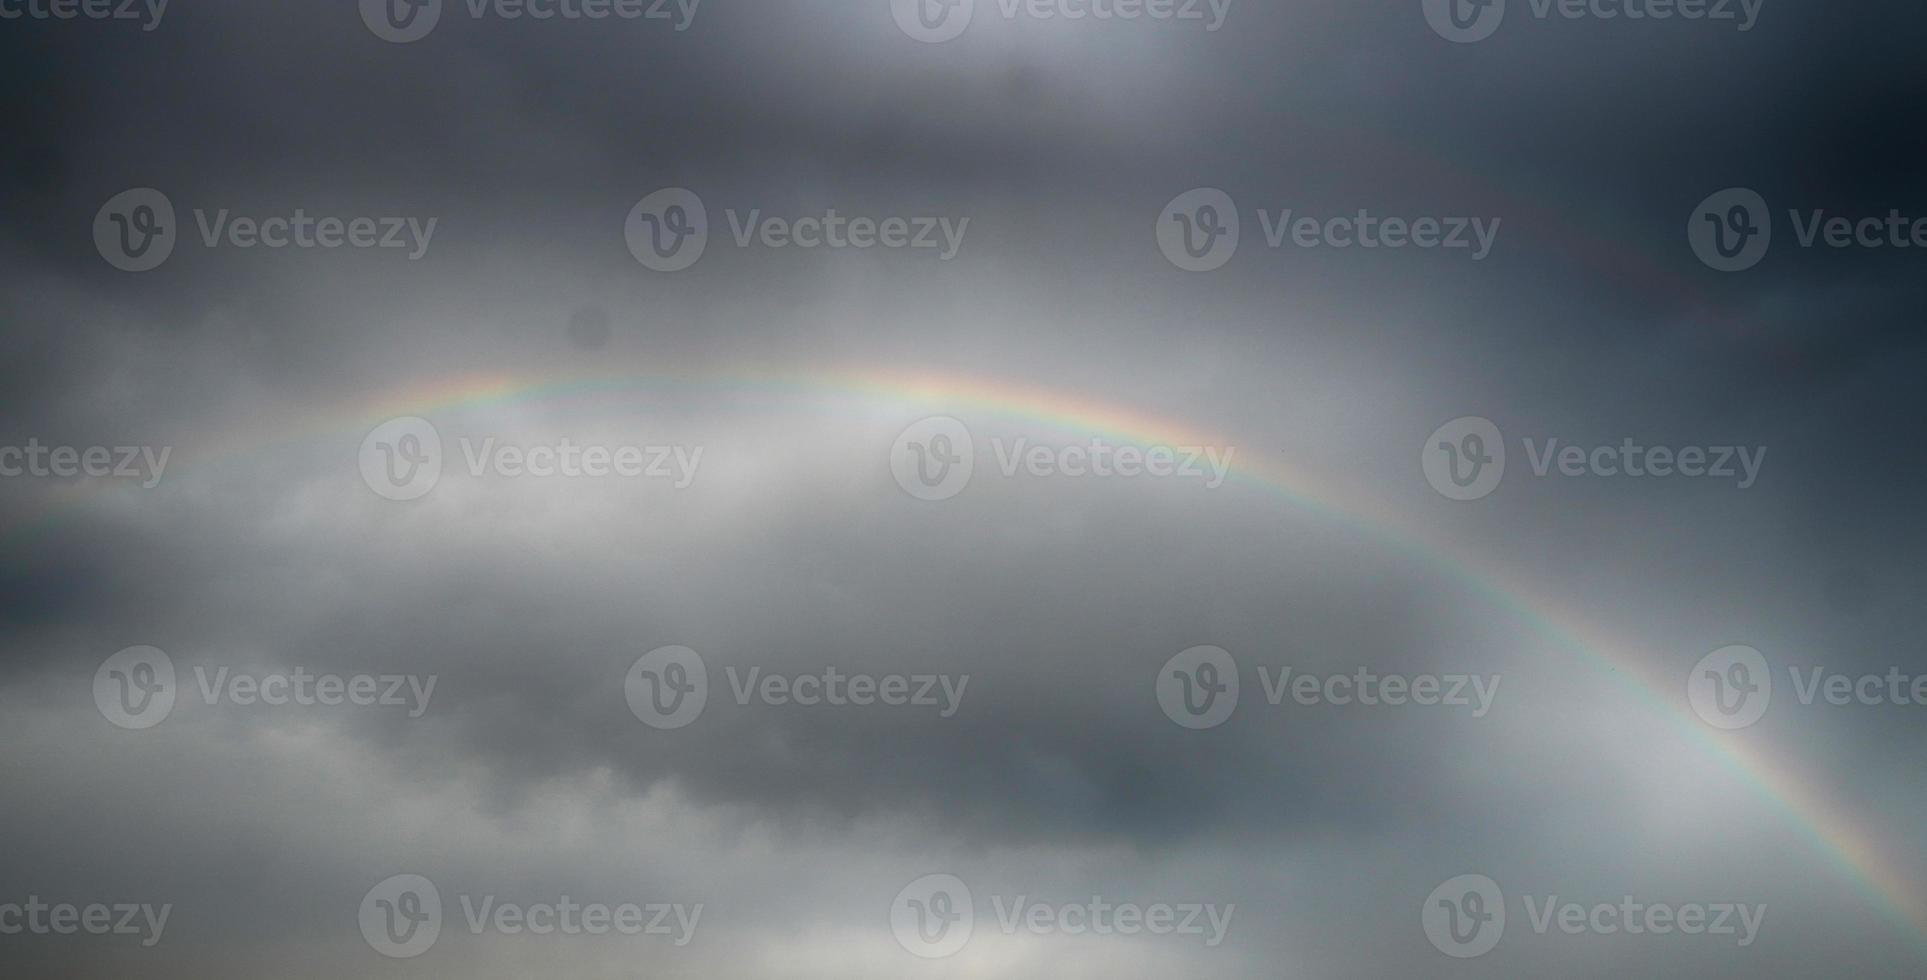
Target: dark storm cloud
[(529, 776)]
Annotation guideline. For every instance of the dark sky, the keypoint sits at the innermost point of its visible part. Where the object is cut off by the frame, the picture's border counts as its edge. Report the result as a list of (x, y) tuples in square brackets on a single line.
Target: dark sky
[(777, 398)]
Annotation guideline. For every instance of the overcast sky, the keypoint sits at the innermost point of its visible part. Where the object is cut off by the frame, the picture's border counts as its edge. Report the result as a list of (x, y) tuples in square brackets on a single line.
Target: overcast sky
[(906, 355)]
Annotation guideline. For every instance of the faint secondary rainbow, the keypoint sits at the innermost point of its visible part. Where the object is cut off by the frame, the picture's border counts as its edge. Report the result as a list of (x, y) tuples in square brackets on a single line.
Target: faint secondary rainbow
[(1835, 834)]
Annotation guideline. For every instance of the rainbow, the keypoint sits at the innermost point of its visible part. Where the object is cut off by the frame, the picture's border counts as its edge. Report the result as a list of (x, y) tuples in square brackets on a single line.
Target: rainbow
[(1833, 832)]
